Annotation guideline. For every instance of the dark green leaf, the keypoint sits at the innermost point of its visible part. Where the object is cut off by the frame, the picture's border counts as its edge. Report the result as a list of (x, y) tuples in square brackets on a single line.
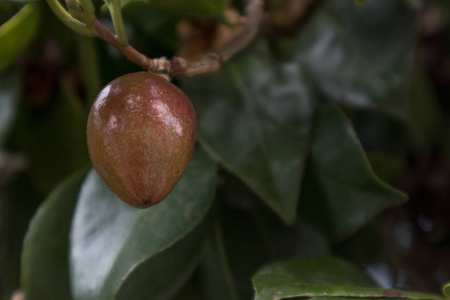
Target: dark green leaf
[(90, 68), (45, 265), (321, 278), (214, 271), (254, 235), (54, 139), (192, 8), (360, 55), (341, 192), (190, 291), (18, 202), (254, 116), (17, 33), (361, 1), (388, 167), (118, 250)]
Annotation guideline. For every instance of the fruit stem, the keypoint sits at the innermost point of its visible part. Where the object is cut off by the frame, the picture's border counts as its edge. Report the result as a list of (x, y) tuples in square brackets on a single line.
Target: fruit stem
[(131, 53), (116, 15), (179, 66)]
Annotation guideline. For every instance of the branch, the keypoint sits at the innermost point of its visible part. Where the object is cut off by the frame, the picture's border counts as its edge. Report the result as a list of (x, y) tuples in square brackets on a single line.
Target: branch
[(179, 66), (131, 53), (212, 61)]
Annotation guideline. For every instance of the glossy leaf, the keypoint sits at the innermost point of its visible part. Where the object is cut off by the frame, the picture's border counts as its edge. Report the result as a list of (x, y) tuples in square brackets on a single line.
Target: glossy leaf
[(341, 192), (360, 55), (321, 278), (17, 32), (118, 250), (193, 8), (45, 265), (254, 116)]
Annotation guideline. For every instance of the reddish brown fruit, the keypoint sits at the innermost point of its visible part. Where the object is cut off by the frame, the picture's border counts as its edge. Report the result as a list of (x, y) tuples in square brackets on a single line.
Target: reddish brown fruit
[(141, 135)]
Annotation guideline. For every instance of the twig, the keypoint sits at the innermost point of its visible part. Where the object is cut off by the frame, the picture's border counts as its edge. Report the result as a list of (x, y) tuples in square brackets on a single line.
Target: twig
[(131, 53), (179, 66), (212, 61)]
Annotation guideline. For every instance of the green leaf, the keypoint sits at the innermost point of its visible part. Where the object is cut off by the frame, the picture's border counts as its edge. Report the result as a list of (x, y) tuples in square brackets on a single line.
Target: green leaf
[(54, 139), (253, 235), (388, 167), (446, 290), (321, 278), (361, 1), (117, 250), (8, 103), (90, 68), (360, 55), (45, 265), (190, 291), (192, 8), (254, 116), (17, 33), (18, 203), (341, 192), (214, 271)]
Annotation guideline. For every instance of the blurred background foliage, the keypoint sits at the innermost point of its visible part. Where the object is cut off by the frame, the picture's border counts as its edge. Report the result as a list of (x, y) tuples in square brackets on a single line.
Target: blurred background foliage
[(309, 144)]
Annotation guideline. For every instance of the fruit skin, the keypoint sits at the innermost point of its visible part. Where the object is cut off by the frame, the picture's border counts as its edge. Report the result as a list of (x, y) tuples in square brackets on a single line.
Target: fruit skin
[(141, 136)]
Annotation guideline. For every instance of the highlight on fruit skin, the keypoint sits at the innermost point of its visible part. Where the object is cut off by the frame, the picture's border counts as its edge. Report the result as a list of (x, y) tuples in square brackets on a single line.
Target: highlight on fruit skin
[(141, 136)]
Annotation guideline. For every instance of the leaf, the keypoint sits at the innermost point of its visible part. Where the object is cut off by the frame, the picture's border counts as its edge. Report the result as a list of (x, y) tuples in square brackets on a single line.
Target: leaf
[(253, 235), (8, 104), (17, 33), (361, 1), (117, 250), (18, 203), (341, 192), (193, 8), (254, 117), (388, 167), (54, 139), (360, 55), (45, 266), (321, 278), (446, 290), (90, 69), (214, 271)]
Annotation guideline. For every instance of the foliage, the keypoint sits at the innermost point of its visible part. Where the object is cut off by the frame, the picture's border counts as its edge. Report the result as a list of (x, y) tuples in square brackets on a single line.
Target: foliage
[(301, 139)]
